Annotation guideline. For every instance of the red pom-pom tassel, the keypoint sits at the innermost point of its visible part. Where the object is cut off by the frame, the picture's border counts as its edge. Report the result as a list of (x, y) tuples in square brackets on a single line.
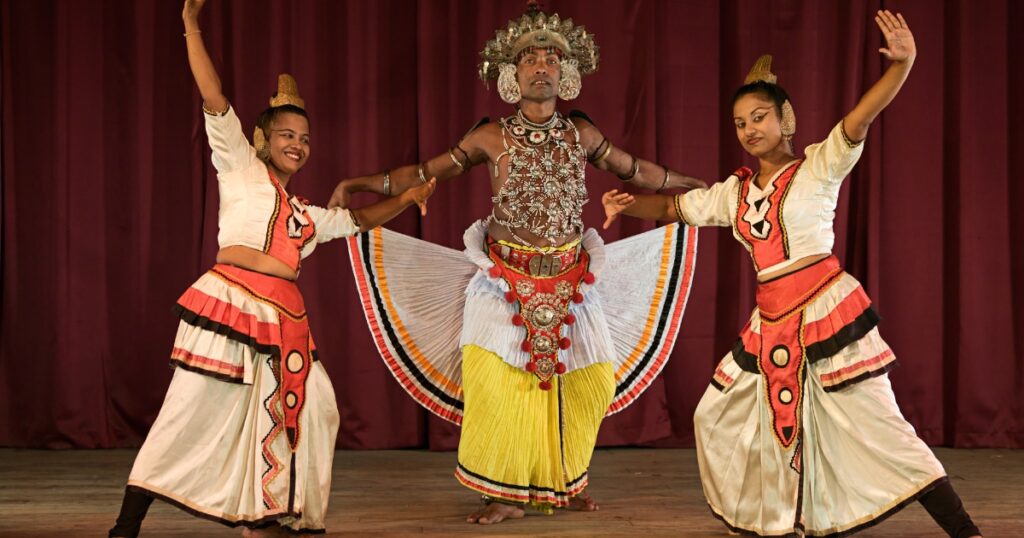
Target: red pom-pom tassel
[(531, 367), (494, 271), (510, 297), (564, 343), (577, 297), (589, 278), (527, 346), (544, 385), (559, 368), (569, 319), (517, 320)]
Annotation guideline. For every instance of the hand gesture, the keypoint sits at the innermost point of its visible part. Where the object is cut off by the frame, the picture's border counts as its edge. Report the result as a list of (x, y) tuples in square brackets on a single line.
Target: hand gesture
[(419, 194), (614, 203), (899, 42), (341, 196), (191, 10)]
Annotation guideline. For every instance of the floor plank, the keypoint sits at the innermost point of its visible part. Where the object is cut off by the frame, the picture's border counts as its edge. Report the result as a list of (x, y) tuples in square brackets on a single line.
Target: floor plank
[(642, 492)]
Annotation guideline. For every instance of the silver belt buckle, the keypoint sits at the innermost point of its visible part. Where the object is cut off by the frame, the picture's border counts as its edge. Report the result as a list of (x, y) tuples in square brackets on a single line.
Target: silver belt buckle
[(545, 265)]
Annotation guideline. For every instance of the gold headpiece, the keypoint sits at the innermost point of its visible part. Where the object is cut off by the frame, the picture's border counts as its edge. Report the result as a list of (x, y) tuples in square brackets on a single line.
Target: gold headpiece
[(537, 29), (762, 70), (287, 92)]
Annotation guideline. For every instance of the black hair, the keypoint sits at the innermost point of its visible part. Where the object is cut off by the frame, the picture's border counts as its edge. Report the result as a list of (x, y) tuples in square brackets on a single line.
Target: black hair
[(773, 92), (268, 116)]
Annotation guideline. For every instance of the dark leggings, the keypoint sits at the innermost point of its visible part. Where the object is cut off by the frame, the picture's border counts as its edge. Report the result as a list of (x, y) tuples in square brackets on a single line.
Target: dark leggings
[(945, 507), (133, 511)]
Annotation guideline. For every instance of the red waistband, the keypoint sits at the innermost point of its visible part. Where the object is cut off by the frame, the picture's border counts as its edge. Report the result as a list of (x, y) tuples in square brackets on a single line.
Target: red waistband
[(535, 263), (278, 292), (779, 296)]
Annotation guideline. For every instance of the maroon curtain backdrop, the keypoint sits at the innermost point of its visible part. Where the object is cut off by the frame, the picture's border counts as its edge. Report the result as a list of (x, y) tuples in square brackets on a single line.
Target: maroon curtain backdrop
[(109, 206)]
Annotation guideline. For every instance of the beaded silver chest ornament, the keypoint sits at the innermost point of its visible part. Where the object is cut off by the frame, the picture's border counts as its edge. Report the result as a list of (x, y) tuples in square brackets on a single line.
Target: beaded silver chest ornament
[(545, 190)]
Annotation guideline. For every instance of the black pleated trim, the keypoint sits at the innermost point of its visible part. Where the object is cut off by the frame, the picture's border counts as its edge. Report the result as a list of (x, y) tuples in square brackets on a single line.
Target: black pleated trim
[(663, 318), (261, 523), (850, 333), (205, 323), (389, 331), (745, 360), (862, 377), (853, 331), (202, 371)]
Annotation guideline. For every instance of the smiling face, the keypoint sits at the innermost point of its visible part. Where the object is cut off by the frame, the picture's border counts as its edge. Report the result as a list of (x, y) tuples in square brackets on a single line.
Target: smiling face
[(289, 142), (758, 128), (538, 73)]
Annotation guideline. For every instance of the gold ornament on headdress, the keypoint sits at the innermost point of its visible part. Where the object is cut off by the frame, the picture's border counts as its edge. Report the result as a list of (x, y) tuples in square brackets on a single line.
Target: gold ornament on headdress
[(287, 94), (762, 71), (538, 29)]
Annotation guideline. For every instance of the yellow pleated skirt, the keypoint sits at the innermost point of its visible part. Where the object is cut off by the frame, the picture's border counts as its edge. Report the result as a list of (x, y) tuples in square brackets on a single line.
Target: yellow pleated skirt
[(523, 444)]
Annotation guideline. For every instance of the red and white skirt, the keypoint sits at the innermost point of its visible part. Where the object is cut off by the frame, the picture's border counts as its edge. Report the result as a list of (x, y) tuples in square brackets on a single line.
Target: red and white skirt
[(247, 430), (799, 429)]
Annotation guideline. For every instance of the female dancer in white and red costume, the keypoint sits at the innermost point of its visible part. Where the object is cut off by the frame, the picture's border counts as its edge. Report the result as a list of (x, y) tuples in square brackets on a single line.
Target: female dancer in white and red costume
[(247, 430), (799, 432)]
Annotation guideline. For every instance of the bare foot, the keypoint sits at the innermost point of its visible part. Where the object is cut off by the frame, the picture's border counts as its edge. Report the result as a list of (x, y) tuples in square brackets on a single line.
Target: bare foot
[(268, 532), (583, 503), (495, 512)]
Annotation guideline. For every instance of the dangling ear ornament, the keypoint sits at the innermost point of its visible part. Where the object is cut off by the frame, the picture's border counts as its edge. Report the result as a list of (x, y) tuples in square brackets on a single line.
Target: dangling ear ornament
[(569, 84), (508, 86), (259, 141), (788, 122)]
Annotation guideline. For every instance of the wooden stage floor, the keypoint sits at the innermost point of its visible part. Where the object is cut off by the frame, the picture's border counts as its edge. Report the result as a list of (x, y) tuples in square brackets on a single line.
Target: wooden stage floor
[(642, 492)]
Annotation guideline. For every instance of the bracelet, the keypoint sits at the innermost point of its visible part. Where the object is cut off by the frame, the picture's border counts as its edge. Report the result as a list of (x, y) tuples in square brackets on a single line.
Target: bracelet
[(632, 173), (462, 167), (605, 153), (419, 170), (465, 156), (212, 113), (193, 32), (664, 182), (387, 183)]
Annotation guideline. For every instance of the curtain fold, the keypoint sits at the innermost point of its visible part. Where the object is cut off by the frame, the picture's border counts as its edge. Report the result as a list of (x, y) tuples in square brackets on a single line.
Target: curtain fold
[(109, 201)]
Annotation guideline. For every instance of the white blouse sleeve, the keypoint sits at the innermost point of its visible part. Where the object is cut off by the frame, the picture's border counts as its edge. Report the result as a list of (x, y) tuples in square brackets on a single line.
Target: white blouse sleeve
[(708, 207), (231, 150), (332, 223), (832, 159)]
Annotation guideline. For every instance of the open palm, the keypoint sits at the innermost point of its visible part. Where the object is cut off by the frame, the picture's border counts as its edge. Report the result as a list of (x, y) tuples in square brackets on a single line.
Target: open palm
[(899, 41)]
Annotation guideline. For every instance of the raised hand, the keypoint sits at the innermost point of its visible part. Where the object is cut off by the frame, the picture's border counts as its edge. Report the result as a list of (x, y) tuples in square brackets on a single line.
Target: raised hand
[(419, 194), (899, 42), (191, 10), (614, 203)]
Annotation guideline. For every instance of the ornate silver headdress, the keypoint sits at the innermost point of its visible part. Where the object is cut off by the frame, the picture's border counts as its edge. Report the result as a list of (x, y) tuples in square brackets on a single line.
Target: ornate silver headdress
[(537, 29)]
